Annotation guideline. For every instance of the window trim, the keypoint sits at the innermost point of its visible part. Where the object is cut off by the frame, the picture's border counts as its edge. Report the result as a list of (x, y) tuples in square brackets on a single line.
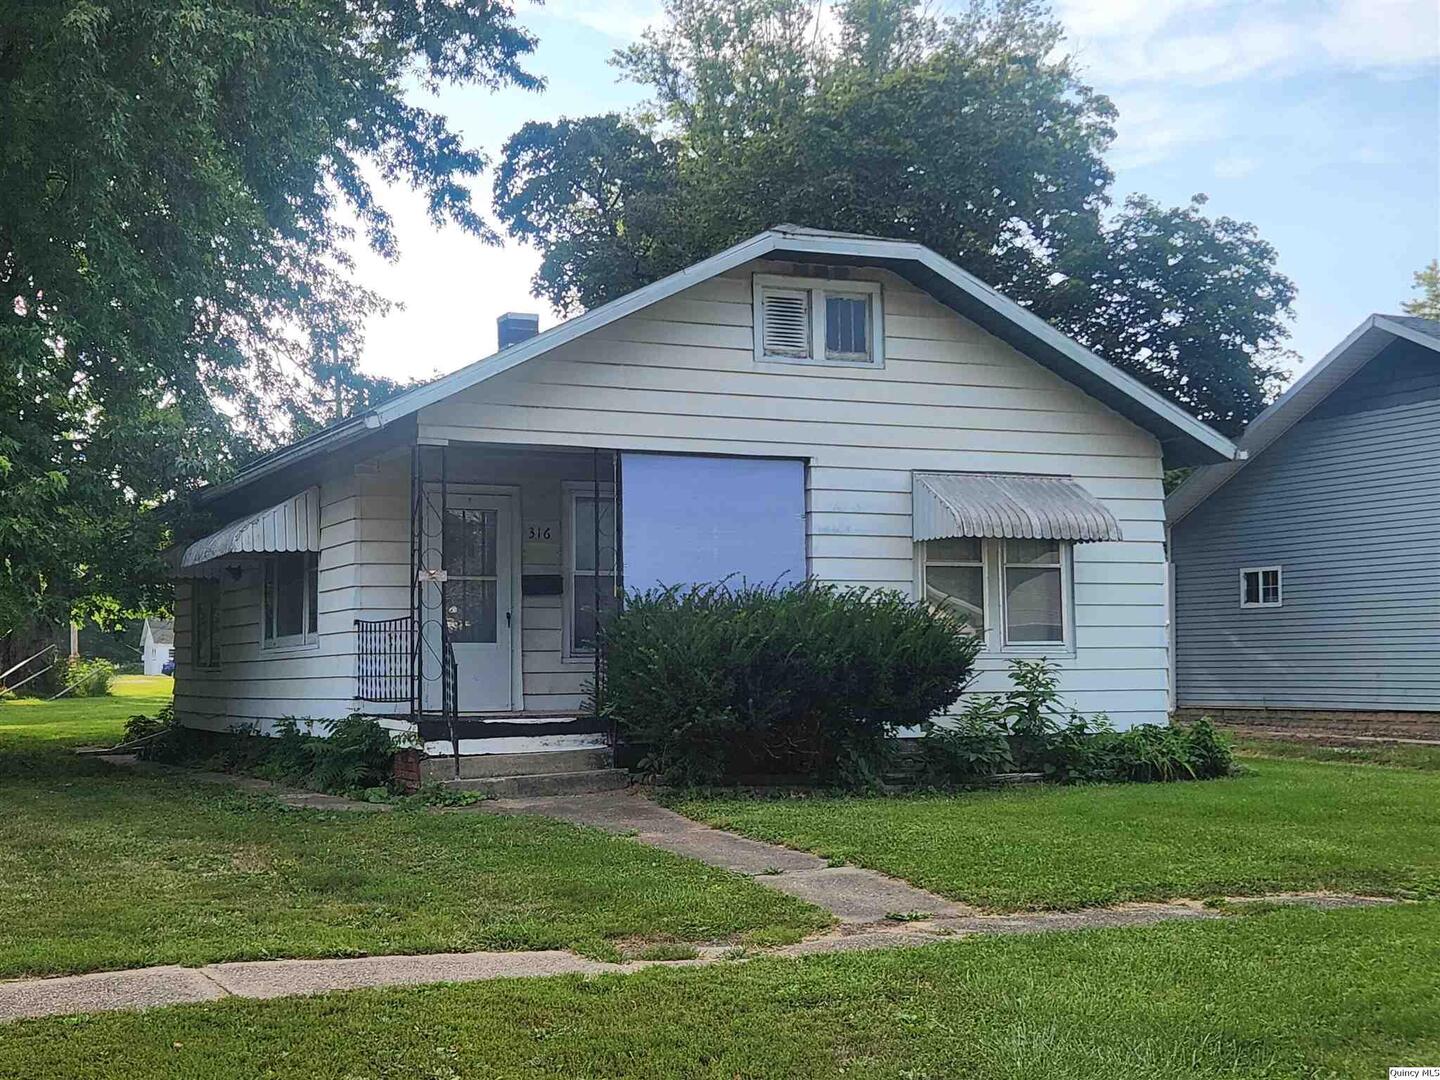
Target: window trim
[(994, 642), (310, 638), (818, 289), (1279, 601), (985, 590), (215, 601), (573, 490), (1066, 643)]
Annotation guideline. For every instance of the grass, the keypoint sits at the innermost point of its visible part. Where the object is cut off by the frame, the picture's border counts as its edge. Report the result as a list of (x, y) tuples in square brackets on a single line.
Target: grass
[(73, 721), (1285, 825), (101, 868), (1399, 755), (1285, 994)]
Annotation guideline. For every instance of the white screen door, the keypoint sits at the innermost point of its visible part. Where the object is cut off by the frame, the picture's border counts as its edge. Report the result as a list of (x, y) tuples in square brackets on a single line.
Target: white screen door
[(476, 598)]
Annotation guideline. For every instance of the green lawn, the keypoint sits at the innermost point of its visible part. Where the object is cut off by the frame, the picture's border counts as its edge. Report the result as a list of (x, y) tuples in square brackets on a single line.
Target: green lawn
[(1283, 825), (1400, 755), (1287, 994), (101, 868), (73, 721)]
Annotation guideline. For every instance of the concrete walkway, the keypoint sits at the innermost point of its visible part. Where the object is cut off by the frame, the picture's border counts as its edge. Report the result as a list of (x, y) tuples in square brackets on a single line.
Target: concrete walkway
[(872, 910), (146, 988), (853, 895)]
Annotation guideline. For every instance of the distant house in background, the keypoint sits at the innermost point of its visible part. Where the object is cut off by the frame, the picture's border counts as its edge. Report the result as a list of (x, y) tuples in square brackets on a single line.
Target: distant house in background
[(157, 644), (1307, 577)]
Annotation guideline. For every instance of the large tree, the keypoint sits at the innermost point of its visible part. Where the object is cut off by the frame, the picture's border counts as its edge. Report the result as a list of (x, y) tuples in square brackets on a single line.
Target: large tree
[(974, 135), (1427, 284), (178, 183)]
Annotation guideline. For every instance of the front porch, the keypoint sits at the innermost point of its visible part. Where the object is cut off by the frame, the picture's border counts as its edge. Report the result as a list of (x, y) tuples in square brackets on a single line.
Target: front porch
[(511, 553)]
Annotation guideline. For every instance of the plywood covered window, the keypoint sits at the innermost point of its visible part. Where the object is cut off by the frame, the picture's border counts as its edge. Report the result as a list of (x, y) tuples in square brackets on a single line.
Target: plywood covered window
[(818, 321)]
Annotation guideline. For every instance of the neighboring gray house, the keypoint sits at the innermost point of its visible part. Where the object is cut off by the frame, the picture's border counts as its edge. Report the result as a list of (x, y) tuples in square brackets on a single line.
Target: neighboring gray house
[(1307, 576), (802, 405)]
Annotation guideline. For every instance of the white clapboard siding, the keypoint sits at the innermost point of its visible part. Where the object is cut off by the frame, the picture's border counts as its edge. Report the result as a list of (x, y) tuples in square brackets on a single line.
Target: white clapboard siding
[(681, 376)]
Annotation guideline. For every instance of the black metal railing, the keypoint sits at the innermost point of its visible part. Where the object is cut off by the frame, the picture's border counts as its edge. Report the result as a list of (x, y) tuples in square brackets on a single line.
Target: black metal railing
[(383, 649), (450, 698)]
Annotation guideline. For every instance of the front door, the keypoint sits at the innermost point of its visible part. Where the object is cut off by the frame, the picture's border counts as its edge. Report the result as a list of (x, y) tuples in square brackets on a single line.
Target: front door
[(477, 599)]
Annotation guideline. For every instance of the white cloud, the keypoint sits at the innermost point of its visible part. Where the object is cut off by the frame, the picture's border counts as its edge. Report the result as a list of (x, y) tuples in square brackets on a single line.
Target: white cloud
[(1234, 167), (625, 19), (1206, 42)]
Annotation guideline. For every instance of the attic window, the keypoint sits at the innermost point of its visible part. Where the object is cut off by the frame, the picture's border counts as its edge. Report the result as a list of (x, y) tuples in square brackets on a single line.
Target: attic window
[(816, 321)]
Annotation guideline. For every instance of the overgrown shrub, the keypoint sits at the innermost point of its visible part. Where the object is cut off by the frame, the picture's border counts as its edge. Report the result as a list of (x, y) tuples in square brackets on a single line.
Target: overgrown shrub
[(808, 681), (86, 677), (1030, 729), (348, 755)]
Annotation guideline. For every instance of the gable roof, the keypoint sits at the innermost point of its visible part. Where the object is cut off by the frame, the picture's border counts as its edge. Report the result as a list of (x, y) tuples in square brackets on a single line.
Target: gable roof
[(1360, 346), (1185, 439), (162, 631)]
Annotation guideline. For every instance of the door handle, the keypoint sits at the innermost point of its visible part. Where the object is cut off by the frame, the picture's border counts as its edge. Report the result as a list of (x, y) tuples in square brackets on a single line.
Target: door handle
[(507, 620)]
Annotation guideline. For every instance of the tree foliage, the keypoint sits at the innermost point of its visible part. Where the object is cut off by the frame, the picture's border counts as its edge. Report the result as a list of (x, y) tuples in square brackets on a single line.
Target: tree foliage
[(178, 180), (974, 135), (1427, 284)]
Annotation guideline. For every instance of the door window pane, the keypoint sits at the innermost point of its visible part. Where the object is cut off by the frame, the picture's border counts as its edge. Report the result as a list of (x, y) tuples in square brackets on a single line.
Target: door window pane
[(470, 610), (847, 331), (470, 542), (582, 600)]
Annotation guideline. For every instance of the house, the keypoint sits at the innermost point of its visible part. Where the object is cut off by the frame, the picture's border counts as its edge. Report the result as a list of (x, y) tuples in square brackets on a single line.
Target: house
[(1307, 575), (804, 404), (157, 645)]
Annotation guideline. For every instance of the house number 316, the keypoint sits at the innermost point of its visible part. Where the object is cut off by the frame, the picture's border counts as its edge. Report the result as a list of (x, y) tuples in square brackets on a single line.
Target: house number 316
[(542, 530)]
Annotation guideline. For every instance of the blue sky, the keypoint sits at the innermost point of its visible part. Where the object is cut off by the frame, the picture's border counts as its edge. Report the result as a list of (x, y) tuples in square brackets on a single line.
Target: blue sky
[(1318, 121)]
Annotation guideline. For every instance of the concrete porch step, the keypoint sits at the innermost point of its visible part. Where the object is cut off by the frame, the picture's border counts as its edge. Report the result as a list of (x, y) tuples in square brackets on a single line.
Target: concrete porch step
[(550, 783), (535, 763)]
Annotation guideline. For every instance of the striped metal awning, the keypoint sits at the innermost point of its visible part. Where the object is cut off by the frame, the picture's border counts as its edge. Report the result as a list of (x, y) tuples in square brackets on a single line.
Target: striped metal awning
[(1008, 505), (293, 525)]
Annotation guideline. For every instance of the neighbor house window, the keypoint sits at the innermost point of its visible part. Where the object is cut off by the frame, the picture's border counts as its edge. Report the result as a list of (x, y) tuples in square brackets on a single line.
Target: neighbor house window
[(205, 623), (954, 579), (292, 588), (1033, 576), (590, 566), (815, 321), (1260, 587)]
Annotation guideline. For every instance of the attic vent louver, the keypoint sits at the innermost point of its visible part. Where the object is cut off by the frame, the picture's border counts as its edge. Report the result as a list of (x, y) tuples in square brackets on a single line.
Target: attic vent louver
[(787, 322)]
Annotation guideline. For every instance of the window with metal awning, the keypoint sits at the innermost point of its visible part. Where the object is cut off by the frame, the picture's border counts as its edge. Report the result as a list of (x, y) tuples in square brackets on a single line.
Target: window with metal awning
[(1011, 506), (993, 549), (289, 526)]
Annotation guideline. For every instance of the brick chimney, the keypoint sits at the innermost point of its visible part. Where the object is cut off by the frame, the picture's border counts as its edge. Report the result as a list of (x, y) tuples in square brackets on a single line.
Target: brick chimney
[(515, 326)]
